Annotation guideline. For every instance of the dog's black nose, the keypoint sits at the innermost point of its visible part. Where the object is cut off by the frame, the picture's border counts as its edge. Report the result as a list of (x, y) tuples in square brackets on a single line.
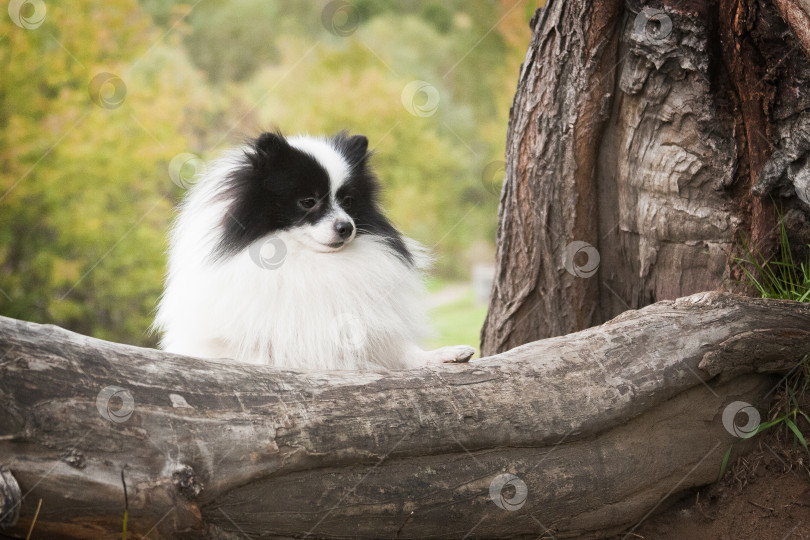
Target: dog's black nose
[(344, 229)]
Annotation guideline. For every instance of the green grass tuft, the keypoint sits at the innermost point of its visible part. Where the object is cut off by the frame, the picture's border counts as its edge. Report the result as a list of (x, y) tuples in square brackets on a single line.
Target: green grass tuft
[(779, 277)]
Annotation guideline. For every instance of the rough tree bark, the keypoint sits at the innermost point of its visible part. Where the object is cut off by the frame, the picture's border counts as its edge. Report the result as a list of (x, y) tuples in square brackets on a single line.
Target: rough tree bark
[(645, 140), (597, 427)]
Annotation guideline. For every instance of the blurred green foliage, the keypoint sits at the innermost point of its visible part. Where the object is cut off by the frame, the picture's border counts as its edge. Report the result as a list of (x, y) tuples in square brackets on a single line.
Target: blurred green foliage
[(458, 321), (85, 194)]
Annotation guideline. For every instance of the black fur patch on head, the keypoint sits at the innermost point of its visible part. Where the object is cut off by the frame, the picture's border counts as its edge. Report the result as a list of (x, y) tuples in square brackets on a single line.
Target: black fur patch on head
[(358, 195), (265, 193)]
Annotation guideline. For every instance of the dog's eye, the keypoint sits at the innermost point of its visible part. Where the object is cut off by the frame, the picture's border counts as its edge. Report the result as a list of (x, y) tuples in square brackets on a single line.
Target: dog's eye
[(347, 202), (307, 203)]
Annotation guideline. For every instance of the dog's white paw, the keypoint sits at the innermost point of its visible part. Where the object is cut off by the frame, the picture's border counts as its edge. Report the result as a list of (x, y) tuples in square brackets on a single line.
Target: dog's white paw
[(455, 354)]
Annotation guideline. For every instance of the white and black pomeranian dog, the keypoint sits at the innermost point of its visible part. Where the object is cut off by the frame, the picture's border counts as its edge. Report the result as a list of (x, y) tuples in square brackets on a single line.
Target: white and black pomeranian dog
[(281, 255)]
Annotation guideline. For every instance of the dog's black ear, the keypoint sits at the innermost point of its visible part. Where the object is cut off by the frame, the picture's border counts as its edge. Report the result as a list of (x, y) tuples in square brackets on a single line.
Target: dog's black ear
[(354, 148), (267, 147), (358, 145)]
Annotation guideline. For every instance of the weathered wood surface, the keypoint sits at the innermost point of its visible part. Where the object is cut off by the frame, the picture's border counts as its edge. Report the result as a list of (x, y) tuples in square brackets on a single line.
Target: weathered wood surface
[(599, 425), (659, 133), (549, 194)]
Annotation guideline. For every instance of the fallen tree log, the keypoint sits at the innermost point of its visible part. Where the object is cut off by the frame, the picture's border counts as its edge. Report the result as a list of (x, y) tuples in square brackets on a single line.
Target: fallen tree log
[(579, 435)]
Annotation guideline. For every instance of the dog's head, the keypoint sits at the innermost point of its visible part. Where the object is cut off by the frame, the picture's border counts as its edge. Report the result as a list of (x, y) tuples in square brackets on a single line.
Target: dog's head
[(321, 191)]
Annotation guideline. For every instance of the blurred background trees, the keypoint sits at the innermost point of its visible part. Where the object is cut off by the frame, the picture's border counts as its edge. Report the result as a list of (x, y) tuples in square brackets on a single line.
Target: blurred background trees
[(96, 99)]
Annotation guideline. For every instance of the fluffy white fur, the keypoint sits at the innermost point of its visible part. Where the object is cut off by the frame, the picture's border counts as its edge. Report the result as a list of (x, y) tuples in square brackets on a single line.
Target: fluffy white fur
[(359, 307)]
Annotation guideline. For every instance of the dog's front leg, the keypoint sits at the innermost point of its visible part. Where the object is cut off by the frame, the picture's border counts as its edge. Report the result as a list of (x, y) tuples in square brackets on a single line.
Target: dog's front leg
[(418, 357)]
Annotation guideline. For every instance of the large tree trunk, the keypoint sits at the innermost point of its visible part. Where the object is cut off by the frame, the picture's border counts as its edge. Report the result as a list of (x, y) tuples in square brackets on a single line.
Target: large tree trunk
[(599, 427), (645, 140)]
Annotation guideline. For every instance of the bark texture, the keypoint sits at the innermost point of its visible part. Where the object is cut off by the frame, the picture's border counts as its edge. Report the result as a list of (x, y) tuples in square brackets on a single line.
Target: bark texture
[(596, 429), (645, 141)]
